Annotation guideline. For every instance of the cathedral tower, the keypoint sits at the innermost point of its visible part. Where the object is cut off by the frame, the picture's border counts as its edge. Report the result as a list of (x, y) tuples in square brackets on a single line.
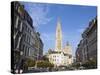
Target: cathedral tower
[(58, 36), (67, 49)]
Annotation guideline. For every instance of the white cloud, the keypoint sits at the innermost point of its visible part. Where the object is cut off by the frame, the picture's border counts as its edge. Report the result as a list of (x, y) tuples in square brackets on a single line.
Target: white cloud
[(80, 30), (38, 12), (48, 40), (48, 37)]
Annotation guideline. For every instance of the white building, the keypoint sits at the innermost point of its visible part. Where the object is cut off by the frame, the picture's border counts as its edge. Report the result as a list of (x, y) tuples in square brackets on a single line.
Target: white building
[(68, 50), (59, 59)]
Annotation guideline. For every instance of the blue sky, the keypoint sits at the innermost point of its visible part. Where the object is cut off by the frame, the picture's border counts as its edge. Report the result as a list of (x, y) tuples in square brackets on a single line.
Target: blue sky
[(74, 19)]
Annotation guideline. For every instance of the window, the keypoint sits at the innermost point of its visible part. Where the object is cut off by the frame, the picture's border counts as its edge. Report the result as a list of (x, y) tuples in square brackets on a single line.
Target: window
[(25, 27), (16, 22), (24, 37), (21, 26), (26, 51), (16, 6), (53, 59), (95, 30), (19, 23), (27, 38), (29, 51), (15, 19), (23, 49), (55, 56)]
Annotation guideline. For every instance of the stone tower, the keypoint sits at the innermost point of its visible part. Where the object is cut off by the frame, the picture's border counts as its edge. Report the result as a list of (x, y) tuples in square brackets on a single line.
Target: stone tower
[(58, 46), (67, 49)]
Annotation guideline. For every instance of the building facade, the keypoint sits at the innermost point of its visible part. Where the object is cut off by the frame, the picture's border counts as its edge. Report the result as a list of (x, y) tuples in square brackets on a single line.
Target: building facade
[(68, 51), (87, 48), (79, 53), (24, 37), (58, 59), (39, 46)]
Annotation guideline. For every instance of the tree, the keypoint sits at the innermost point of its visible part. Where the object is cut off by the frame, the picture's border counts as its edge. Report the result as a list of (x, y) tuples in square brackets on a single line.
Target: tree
[(29, 63), (44, 64), (45, 58), (91, 64), (77, 65)]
